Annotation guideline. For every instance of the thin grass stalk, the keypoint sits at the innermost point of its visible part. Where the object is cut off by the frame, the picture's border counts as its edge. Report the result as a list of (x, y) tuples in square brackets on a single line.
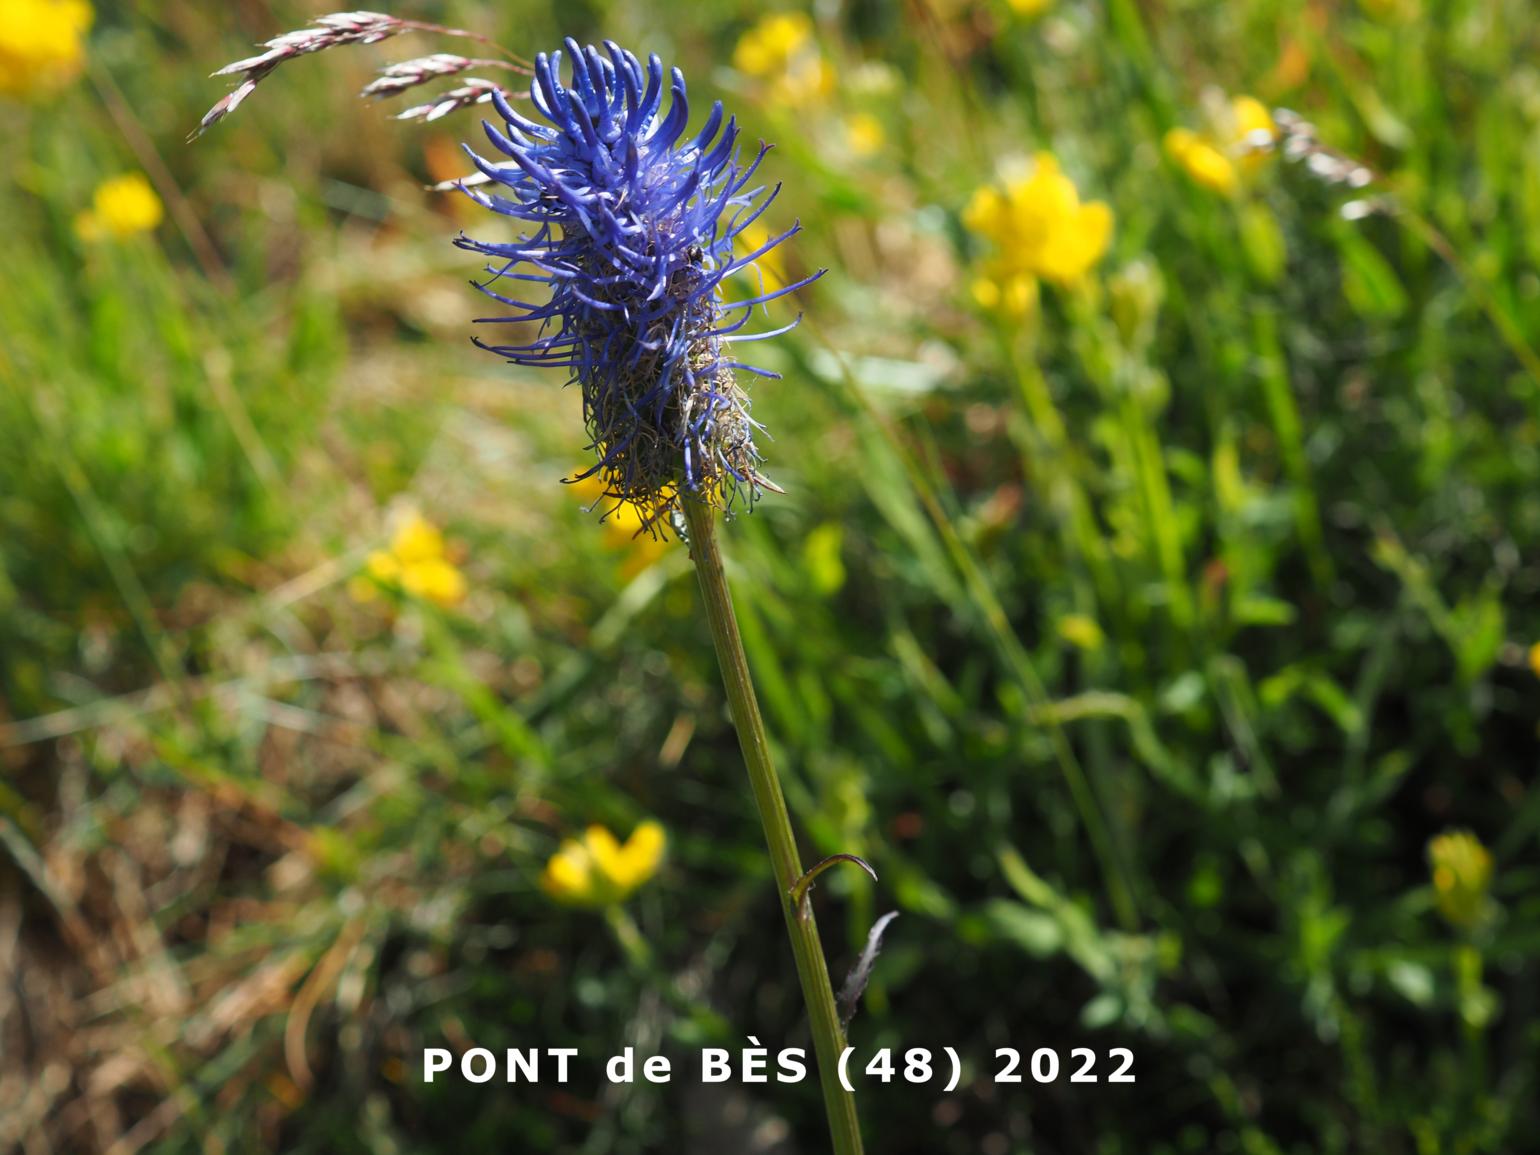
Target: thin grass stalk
[(812, 970)]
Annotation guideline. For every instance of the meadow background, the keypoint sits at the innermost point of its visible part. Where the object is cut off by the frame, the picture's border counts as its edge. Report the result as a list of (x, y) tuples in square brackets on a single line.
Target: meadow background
[(1141, 627)]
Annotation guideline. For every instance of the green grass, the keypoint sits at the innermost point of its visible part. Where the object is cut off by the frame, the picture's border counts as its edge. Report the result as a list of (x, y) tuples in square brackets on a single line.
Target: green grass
[(264, 843)]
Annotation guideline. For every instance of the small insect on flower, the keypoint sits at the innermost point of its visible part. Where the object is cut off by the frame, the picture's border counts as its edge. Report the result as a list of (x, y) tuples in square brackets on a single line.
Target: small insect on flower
[(1462, 875), (121, 207), (42, 44), (598, 871), (630, 225)]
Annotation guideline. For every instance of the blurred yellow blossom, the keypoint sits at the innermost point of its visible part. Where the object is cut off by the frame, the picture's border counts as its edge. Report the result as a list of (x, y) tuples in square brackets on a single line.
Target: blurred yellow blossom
[(1218, 158), (1015, 295), (1029, 7), (771, 266), (1041, 230), (624, 522), (864, 134), (1462, 875), (782, 54), (121, 207), (596, 870), (1534, 658), (416, 562), (42, 44)]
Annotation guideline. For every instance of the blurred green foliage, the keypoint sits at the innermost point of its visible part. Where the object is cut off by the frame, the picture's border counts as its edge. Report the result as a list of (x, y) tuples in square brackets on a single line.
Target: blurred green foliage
[(1141, 645)]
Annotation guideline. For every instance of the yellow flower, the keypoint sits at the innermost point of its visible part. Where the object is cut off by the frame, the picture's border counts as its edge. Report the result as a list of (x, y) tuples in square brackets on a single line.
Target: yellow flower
[(42, 44), (1219, 158), (1203, 162), (596, 870), (121, 207), (864, 134), (416, 540), (781, 53), (770, 266), (1015, 295), (416, 563), (1462, 875), (1534, 658), (1041, 229), (1029, 7), (624, 522)]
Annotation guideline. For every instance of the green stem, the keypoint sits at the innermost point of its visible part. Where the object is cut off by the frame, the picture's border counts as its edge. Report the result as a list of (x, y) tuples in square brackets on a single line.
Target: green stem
[(828, 1039)]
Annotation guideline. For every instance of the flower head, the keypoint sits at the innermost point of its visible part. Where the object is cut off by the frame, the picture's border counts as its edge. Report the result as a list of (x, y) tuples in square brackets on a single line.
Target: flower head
[(1222, 156), (416, 563), (1041, 230), (630, 224), (596, 870), (1462, 875), (122, 206), (42, 44), (781, 54)]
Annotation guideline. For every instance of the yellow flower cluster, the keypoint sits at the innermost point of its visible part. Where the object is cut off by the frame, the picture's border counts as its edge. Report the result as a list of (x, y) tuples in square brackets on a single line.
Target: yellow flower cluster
[(1029, 7), (1534, 658), (1041, 230), (42, 44), (624, 522), (596, 870), (121, 207), (864, 134), (781, 53), (1462, 875), (417, 563), (1222, 156)]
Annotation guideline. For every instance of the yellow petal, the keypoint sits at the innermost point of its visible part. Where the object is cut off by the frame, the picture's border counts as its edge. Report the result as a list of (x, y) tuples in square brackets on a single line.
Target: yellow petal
[(1077, 245), (417, 539), (1178, 141), (605, 852), (568, 875), (434, 580), (986, 293), (1210, 167), (865, 134), (642, 853), (383, 566), (41, 44), (125, 205), (982, 215), (1020, 298), (589, 488), (1251, 115)]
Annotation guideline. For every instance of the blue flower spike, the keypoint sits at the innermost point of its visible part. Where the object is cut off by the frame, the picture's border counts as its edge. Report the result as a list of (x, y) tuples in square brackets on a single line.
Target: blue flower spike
[(630, 224)]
